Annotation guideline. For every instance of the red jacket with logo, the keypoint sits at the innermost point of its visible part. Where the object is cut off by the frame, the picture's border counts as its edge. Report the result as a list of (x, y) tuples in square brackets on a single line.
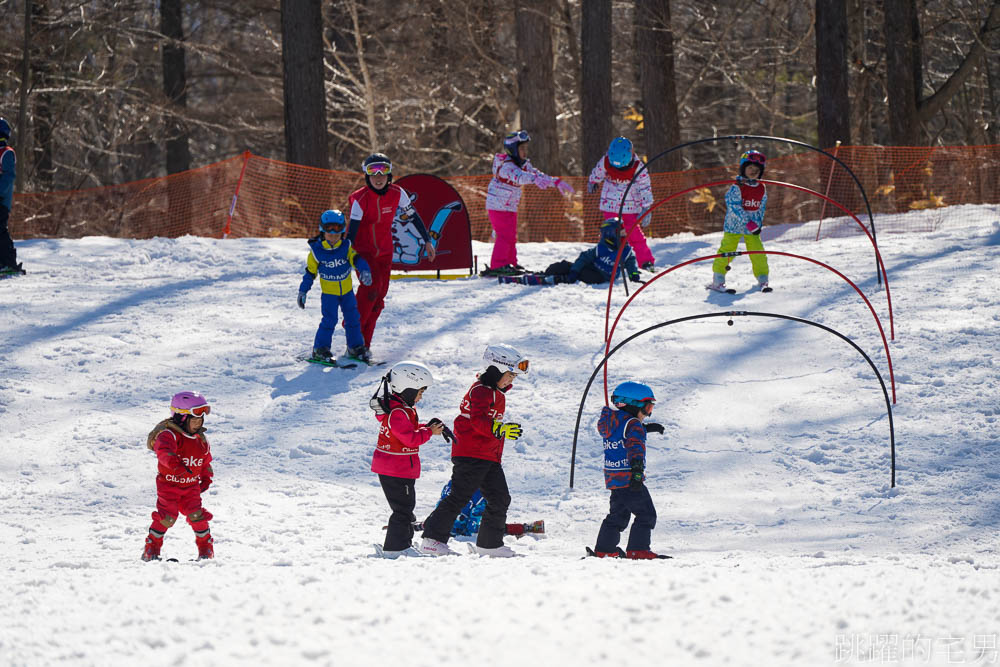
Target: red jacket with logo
[(474, 426), (373, 240), (175, 450), (399, 438)]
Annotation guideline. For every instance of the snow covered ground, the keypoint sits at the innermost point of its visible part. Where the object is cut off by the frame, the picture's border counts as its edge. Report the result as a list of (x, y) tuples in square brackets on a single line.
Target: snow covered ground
[(771, 482)]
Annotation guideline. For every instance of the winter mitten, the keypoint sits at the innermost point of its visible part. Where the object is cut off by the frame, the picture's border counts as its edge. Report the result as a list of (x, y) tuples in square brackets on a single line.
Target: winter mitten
[(206, 481), (302, 300), (366, 277), (634, 277), (635, 478), (645, 219), (591, 187), (564, 187), (543, 181), (653, 427), (753, 228)]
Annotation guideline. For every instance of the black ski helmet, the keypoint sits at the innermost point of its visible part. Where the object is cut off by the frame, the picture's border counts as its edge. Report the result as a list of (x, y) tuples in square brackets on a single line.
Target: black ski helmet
[(377, 163)]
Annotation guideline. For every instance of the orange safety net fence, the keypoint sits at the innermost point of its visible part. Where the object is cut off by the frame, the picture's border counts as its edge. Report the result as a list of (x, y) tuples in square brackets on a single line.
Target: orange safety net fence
[(277, 199)]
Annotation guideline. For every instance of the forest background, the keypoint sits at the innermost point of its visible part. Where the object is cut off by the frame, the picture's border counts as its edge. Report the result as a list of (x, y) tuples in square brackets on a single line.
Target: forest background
[(104, 92)]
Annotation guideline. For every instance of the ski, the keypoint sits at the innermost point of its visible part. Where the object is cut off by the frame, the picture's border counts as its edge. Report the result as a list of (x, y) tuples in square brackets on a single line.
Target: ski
[(332, 363), (531, 528), (621, 555), (502, 271), (721, 290), (527, 279), (361, 361), (411, 552), (12, 273)]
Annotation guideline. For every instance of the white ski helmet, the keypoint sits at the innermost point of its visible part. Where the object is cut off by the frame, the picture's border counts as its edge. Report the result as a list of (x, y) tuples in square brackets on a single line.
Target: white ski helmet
[(505, 358), (409, 375)]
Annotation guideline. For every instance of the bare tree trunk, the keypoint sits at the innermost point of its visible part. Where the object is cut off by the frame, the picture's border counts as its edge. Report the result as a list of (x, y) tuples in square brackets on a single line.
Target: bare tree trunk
[(43, 124), (22, 109), (655, 46), (595, 81), (175, 85), (902, 64), (305, 96), (366, 77), (536, 83), (833, 107)]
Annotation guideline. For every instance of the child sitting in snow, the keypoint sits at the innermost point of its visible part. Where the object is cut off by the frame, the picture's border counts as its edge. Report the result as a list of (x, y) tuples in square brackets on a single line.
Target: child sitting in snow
[(592, 266)]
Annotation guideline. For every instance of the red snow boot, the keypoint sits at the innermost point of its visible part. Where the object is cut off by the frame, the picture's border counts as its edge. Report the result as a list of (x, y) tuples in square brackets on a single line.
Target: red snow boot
[(152, 550), (643, 554), (205, 548)]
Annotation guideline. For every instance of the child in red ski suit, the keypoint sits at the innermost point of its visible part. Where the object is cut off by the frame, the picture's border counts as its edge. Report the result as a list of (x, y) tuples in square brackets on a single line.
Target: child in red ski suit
[(184, 472), (397, 455)]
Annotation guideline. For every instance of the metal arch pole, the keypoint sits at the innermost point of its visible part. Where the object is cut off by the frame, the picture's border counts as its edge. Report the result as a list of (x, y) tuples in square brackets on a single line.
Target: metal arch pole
[(735, 313)]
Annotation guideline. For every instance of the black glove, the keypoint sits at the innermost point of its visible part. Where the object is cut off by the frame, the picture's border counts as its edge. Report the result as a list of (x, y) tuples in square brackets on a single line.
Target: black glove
[(635, 479), (591, 187), (302, 300), (653, 427), (636, 279), (445, 431)]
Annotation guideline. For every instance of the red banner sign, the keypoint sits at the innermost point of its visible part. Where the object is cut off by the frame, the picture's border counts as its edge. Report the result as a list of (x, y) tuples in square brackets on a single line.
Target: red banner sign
[(447, 221)]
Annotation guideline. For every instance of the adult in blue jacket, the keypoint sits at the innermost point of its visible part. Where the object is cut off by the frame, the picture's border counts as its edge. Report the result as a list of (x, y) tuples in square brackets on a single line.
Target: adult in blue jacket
[(8, 172), (332, 258)]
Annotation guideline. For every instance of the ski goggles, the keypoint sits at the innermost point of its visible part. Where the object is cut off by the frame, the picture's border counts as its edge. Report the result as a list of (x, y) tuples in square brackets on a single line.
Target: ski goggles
[(378, 168), (517, 137), (521, 366), (333, 227), (199, 411)]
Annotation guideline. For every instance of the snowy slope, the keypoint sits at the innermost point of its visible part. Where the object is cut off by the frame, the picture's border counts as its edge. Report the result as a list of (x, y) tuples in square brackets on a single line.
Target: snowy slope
[(771, 482)]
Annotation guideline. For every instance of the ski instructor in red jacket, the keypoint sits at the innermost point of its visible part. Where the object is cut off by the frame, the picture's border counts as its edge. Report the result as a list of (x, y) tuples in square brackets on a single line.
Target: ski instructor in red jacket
[(373, 208)]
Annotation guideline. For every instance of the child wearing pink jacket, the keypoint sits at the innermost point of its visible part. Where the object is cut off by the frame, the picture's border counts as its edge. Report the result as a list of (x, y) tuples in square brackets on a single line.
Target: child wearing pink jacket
[(397, 455)]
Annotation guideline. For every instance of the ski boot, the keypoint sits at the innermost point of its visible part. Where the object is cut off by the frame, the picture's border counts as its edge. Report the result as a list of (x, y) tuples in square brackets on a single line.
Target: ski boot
[(762, 283), (649, 266), (205, 549), (617, 553), (644, 554), (322, 354), (432, 547), (359, 353), (152, 550)]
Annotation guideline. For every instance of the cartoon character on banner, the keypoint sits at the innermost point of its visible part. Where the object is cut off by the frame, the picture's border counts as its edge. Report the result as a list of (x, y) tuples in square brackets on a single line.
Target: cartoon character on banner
[(408, 246)]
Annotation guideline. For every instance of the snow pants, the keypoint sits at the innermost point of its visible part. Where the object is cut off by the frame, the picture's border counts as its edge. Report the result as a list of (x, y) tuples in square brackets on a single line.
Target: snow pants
[(505, 246), (371, 298), (467, 475), (625, 503), (401, 494), (8, 254), (731, 242), (330, 305), (172, 500), (636, 238)]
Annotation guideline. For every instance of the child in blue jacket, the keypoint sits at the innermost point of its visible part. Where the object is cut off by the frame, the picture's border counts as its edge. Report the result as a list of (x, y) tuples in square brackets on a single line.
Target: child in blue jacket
[(592, 266), (331, 257), (624, 434)]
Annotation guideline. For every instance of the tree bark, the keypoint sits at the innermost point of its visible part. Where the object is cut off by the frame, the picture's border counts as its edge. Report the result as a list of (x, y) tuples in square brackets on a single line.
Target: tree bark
[(833, 107), (536, 82), (903, 89), (655, 46), (303, 76), (175, 86), (595, 81), (43, 126)]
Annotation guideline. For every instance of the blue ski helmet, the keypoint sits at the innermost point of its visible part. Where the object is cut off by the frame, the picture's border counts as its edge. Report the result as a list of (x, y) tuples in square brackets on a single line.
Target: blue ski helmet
[(632, 393), (620, 153), (611, 231), (332, 221), (4, 128), (752, 157)]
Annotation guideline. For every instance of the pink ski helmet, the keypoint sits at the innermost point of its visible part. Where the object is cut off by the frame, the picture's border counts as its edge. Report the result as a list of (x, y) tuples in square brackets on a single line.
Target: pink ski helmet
[(189, 403)]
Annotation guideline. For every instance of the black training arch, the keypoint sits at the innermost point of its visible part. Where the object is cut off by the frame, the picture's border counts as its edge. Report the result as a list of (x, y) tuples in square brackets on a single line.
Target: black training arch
[(731, 314)]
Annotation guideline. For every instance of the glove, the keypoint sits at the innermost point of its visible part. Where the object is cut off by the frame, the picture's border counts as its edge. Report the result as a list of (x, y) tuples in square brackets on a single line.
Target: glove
[(634, 277), (302, 300), (591, 187), (635, 478), (508, 430), (365, 277), (653, 427), (645, 220), (543, 181), (206, 481), (564, 187), (753, 228)]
